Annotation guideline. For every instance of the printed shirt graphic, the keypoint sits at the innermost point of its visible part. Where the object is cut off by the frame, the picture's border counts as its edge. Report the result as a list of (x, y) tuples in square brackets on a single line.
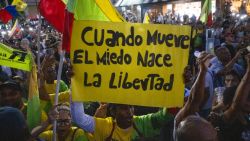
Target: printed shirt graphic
[(51, 88)]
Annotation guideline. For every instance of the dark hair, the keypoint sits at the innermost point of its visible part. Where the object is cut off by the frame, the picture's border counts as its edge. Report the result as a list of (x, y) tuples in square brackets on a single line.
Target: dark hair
[(11, 84), (13, 125), (234, 73), (189, 129), (228, 95)]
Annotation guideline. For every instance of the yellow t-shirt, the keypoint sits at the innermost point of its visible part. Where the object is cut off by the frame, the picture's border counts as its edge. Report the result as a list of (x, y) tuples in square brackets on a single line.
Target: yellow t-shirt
[(103, 129), (51, 88), (79, 135)]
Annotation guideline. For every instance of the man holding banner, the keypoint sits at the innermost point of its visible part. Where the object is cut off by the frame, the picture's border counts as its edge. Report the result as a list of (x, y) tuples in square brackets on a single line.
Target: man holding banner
[(116, 62), (123, 126)]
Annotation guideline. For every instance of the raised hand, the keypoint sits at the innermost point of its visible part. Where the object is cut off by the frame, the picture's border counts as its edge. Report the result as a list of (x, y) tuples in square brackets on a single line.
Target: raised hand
[(53, 114), (202, 60)]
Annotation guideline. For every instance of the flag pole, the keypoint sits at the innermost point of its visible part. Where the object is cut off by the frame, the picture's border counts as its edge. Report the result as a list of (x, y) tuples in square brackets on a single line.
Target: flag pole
[(38, 43), (59, 73)]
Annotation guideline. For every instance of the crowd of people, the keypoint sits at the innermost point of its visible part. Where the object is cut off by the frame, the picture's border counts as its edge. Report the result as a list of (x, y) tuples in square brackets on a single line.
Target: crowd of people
[(217, 93), (160, 18)]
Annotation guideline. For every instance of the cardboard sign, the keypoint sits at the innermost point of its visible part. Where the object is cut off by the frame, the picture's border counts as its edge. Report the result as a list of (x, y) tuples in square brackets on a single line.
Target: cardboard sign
[(14, 58), (136, 64)]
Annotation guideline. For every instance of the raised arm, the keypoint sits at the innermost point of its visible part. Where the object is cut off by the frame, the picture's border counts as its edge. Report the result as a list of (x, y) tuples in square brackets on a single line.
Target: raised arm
[(241, 96), (84, 121), (197, 92), (229, 66)]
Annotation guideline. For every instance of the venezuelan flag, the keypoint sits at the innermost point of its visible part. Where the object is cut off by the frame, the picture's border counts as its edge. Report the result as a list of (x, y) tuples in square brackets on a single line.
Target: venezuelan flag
[(20, 5)]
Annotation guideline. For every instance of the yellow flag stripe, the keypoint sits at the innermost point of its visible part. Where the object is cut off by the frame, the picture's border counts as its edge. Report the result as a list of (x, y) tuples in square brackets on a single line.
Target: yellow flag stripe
[(109, 11)]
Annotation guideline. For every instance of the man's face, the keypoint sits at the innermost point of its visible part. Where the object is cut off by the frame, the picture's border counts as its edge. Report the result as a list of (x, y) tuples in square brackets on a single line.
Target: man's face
[(231, 80), (64, 120), (10, 97), (124, 115), (50, 73)]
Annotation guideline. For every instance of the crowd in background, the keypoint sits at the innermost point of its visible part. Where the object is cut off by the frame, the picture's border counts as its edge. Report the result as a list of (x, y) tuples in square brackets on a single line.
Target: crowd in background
[(216, 91)]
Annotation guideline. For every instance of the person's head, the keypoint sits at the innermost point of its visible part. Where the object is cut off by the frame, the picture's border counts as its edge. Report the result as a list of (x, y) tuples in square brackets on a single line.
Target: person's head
[(123, 114), (24, 44), (13, 125), (195, 128), (223, 55), (10, 94), (50, 73), (64, 119), (232, 78), (229, 37)]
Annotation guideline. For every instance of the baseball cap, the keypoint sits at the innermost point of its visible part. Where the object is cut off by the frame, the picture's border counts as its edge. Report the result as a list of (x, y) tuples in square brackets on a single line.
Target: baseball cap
[(10, 84)]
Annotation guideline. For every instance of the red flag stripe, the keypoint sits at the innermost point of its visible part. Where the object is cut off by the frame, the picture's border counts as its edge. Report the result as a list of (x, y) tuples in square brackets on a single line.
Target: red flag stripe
[(5, 16), (68, 24), (53, 12)]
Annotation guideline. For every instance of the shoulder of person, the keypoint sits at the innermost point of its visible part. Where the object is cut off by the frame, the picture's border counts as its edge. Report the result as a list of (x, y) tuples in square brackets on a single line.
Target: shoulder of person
[(78, 131), (46, 134)]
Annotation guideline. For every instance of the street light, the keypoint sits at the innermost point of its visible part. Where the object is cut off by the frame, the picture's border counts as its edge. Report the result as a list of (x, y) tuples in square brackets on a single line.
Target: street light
[(30, 29)]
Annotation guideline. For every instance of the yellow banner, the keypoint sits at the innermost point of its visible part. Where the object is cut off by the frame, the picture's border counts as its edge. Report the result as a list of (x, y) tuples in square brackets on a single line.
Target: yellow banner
[(137, 64), (14, 58)]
